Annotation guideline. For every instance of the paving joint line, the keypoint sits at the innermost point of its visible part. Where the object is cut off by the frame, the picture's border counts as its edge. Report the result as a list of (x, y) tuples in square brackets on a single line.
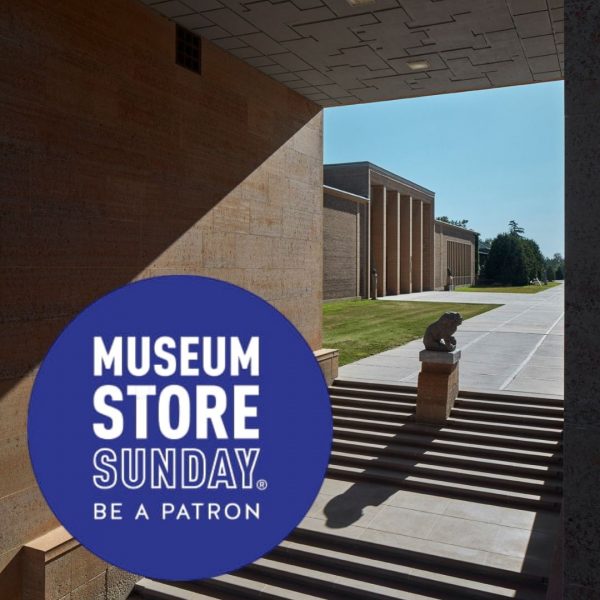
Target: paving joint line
[(509, 379)]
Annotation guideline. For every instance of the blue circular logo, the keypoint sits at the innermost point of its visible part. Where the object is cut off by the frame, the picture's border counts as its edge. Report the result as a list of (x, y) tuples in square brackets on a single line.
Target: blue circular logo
[(180, 427)]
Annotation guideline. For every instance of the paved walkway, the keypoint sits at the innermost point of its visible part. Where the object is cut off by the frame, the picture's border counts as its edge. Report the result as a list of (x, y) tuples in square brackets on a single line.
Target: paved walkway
[(515, 348)]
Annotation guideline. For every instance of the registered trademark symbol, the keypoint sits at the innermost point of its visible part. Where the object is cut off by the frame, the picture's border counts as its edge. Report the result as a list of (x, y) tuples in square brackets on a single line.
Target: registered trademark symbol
[(261, 484)]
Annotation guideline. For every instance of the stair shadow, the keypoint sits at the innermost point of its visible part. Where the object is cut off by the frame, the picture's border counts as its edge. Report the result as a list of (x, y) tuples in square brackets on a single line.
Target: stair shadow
[(468, 581), (348, 507)]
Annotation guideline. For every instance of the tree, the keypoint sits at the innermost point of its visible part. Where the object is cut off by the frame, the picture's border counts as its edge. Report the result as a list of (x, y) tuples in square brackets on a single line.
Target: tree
[(507, 261), (514, 259), (534, 261), (514, 228), (458, 223), (550, 273), (557, 264)]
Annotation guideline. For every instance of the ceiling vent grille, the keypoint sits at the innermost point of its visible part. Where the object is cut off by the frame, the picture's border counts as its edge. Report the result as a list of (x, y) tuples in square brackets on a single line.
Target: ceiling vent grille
[(187, 51)]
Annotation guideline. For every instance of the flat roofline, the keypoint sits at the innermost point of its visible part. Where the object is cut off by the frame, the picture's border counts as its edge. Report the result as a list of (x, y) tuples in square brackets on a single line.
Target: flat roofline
[(457, 227), (332, 191), (386, 173)]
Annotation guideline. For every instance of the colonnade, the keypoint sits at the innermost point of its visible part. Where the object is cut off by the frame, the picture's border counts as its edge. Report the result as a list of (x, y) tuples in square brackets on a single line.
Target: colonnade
[(401, 228)]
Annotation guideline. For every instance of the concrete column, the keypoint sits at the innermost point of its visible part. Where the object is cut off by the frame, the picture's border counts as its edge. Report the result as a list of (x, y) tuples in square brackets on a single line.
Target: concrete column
[(428, 250), (581, 542), (378, 235), (358, 255), (405, 244), (392, 238), (417, 245), (365, 249)]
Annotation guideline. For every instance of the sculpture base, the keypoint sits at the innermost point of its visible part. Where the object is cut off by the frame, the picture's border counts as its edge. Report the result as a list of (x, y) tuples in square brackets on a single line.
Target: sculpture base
[(437, 386)]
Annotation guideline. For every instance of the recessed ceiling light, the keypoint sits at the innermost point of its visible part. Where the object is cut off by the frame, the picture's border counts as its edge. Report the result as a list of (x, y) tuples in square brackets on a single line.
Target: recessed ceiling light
[(418, 65), (360, 2)]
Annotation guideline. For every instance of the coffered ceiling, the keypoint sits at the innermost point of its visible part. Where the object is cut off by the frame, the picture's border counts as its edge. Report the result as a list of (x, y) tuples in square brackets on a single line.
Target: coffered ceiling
[(336, 54)]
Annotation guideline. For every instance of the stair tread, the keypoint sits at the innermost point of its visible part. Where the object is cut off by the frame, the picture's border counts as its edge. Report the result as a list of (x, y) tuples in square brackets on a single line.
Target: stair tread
[(374, 401), (498, 404), (374, 411), (432, 453), (351, 389), (148, 588), (427, 554), (506, 582), (515, 426), (452, 427), (537, 423), (391, 586), (368, 387), (483, 491), (503, 415), (414, 438), (433, 468)]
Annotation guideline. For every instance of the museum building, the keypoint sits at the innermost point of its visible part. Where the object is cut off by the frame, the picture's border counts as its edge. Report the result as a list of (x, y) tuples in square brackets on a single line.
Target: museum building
[(380, 236)]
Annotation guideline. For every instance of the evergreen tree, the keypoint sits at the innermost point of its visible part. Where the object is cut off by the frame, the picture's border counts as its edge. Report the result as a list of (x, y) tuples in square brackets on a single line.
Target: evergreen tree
[(507, 261), (514, 228)]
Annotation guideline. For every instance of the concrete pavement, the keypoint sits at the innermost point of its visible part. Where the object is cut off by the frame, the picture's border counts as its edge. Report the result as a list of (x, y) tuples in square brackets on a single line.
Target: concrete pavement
[(516, 348)]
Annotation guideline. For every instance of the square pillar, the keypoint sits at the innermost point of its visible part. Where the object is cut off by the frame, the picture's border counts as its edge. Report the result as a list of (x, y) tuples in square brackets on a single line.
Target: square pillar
[(428, 250), (417, 245), (437, 387), (405, 244), (364, 251), (392, 238), (378, 235)]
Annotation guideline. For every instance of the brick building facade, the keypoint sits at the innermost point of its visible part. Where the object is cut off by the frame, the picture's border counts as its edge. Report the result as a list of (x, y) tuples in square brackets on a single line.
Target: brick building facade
[(377, 220)]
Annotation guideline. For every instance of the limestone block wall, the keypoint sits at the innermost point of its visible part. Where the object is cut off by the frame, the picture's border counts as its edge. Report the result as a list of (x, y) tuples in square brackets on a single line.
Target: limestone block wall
[(463, 242), (118, 164), (341, 252)]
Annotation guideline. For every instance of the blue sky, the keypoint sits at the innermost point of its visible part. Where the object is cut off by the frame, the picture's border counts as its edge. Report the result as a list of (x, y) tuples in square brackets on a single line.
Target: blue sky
[(490, 156)]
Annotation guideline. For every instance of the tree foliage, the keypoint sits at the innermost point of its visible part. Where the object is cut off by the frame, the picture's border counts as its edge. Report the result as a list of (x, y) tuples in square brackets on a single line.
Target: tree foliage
[(514, 259), (556, 264), (513, 227)]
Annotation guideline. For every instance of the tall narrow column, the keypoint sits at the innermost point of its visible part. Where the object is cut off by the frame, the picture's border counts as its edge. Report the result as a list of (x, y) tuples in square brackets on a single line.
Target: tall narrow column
[(405, 244), (365, 249), (428, 251), (417, 245), (378, 234), (392, 238)]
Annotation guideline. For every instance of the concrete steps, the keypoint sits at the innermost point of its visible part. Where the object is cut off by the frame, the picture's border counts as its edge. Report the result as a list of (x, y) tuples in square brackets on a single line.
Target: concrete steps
[(495, 450), (312, 564), (489, 449)]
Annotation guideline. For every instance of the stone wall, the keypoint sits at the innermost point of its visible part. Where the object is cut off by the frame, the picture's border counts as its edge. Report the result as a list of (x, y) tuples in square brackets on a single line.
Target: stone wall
[(581, 514), (118, 165), (444, 233), (341, 230)]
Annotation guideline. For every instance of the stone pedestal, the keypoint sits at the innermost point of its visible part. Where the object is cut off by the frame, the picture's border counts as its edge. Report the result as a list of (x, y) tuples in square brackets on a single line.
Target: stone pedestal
[(437, 386)]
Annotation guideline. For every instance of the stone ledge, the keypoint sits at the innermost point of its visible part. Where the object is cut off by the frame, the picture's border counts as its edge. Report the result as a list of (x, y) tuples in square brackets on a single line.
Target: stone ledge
[(53, 544), (324, 353), (328, 359), (55, 566), (441, 358)]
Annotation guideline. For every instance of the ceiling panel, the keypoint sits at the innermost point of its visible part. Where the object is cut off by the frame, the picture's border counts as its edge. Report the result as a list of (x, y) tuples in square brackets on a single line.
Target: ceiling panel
[(336, 54)]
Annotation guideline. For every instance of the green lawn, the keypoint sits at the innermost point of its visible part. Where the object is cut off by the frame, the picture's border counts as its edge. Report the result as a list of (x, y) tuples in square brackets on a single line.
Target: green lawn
[(522, 289), (360, 328)]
